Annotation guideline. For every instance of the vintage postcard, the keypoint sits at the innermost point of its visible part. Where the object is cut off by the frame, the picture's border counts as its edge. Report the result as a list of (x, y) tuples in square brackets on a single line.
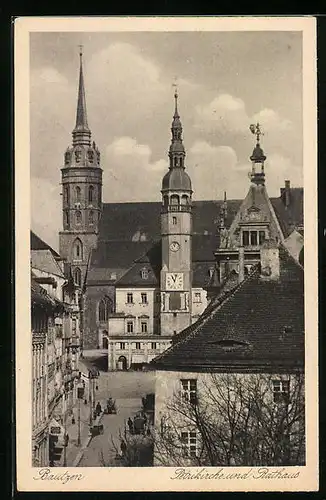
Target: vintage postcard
[(166, 254)]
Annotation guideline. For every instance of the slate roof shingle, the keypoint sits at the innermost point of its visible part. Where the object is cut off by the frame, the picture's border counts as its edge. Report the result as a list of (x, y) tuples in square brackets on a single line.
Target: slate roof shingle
[(38, 244), (247, 327), (131, 231), (43, 260)]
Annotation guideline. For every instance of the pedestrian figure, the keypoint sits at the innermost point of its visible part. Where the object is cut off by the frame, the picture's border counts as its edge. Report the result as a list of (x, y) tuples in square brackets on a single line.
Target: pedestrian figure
[(98, 409), (123, 447), (130, 425)]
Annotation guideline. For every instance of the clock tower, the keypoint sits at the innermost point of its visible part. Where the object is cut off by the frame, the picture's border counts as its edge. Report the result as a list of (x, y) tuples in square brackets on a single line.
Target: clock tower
[(176, 228)]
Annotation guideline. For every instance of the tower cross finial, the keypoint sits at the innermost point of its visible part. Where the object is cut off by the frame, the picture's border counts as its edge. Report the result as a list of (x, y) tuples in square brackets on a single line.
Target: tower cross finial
[(80, 50)]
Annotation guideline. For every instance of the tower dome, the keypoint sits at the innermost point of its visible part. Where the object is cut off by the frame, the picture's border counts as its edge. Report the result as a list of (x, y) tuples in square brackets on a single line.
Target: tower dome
[(176, 179)]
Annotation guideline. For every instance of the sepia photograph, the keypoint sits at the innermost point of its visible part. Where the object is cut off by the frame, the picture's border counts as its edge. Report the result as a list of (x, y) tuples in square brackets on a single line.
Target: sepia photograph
[(167, 253)]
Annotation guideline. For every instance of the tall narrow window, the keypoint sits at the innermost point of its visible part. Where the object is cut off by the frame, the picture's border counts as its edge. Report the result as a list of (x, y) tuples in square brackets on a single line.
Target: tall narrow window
[(184, 199), (189, 390), (104, 309), (78, 249), (66, 195), (90, 194), (91, 217), (66, 217), (130, 327), (130, 298), (245, 238), (78, 217), (281, 391), (174, 199), (253, 238), (189, 443), (138, 346), (144, 326), (144, 298), (77, 276), (175, 301), (77, 194), (174, 220), (261, 237)]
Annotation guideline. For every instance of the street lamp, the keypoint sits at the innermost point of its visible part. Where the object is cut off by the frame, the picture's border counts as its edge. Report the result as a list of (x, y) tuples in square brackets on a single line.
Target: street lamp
[(92, 376)]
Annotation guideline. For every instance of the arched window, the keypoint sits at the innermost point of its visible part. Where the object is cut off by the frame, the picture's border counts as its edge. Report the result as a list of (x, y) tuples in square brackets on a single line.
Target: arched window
[(78, 249), (90, 194), (91, 217), (174, 199), (78, 217), (77, 194), (184, 199), (104, 309), (77, 276), (165, 201)]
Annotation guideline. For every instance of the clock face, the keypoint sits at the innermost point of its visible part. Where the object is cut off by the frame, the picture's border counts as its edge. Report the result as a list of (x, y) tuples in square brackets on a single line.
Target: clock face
[(174, 246), (174, 281)]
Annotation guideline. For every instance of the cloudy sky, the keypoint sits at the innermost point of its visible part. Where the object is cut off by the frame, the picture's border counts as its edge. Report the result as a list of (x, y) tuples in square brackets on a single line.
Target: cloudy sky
[(226, 81)]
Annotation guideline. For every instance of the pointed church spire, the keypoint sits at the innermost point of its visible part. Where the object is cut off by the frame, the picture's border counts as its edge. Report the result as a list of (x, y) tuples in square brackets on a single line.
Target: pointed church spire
[(177, 150), (81, 133)]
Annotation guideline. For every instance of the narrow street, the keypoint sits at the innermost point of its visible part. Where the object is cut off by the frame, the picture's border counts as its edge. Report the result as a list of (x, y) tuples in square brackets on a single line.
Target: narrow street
[(127, 388)]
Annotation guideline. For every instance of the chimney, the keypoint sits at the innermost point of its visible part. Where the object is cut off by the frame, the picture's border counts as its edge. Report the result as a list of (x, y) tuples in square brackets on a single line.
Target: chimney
[(287, 191), (241, 264), (269, 261)]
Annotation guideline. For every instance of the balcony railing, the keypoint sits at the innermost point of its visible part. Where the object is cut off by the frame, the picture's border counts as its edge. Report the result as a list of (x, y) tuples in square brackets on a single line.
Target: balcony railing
[(176, 208)]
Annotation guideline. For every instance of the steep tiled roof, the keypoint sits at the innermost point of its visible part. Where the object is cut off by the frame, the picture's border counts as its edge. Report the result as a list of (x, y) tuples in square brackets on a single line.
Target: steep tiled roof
[(129, 232), (39, 296), (133, 221), (38, 244), (258, 324), (43, 260)]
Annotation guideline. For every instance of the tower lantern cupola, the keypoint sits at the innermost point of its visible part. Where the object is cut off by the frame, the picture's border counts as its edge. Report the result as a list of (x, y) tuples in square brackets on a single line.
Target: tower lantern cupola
[(176, 183), (257, 158)]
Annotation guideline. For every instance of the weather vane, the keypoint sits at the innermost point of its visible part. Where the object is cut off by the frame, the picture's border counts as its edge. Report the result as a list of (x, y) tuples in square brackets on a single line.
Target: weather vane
[(256, 130), (175, 85)]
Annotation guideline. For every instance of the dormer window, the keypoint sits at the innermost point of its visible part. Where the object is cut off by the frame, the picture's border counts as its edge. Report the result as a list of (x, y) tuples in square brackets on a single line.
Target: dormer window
[(253, 238), (144, 274), (231, 344)]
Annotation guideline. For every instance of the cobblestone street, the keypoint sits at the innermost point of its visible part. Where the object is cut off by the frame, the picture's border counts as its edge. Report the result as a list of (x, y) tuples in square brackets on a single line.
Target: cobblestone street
[(127, 388)]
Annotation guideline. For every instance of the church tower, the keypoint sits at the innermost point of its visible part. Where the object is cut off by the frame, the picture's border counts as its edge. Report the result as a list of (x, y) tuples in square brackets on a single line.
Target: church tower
[(176, 230), (81, 179)]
